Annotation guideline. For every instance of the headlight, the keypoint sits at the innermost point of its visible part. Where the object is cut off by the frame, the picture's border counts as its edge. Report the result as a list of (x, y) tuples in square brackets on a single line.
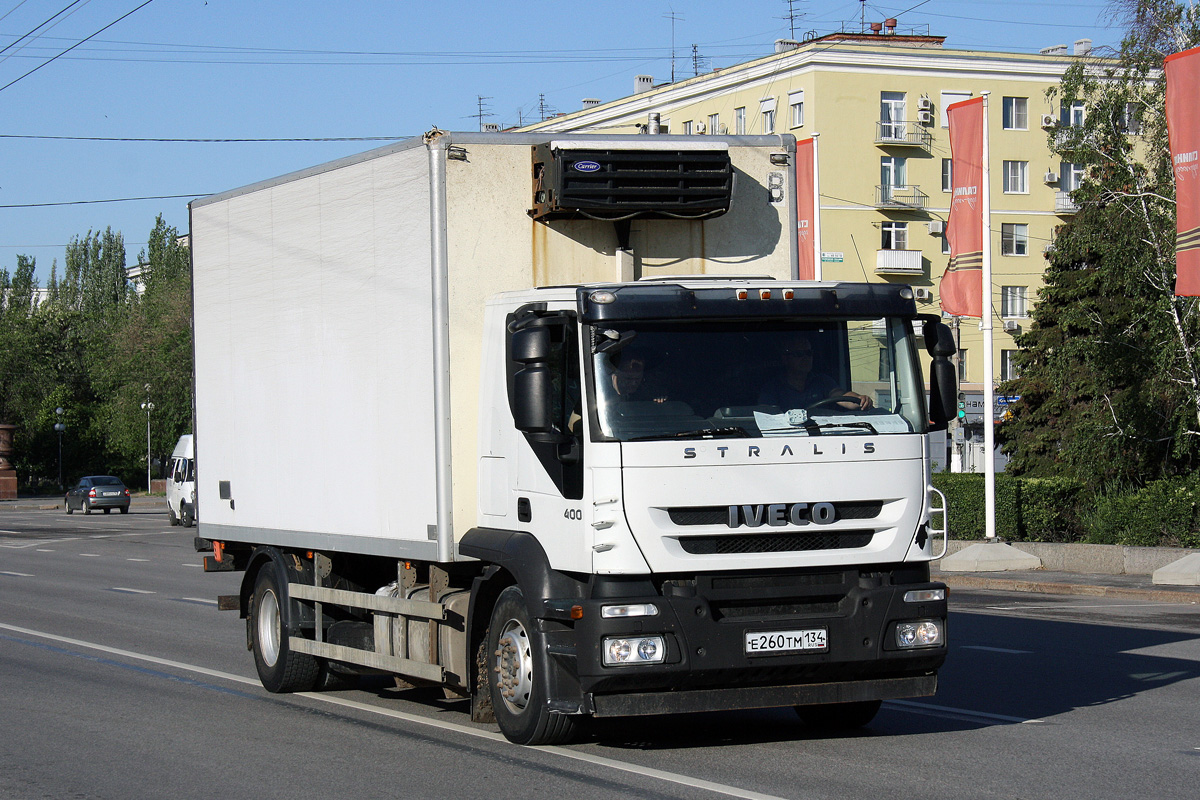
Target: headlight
[(921, 633), (633, 650), (631, 610)]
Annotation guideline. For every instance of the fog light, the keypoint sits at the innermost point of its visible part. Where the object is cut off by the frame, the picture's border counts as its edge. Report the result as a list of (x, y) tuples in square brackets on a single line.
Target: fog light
[(924, 595), (633, 650), (923, 633), (631, 610)]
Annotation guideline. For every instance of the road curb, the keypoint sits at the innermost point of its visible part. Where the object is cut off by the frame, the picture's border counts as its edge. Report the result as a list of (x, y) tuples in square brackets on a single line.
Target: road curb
[(1076, 589)]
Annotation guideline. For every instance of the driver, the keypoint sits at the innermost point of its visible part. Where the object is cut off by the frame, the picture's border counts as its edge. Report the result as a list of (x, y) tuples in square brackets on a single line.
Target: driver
[(799, 386)]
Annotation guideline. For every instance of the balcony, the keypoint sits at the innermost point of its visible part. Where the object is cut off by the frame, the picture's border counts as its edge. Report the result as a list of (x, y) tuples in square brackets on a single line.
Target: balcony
[(902, 134), (1063, 204), (899, 262), (903, 197)]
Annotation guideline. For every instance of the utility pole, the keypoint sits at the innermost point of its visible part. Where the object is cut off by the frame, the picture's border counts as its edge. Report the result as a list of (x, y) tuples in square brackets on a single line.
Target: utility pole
[(544, 110), (699, 62), (792, 16)]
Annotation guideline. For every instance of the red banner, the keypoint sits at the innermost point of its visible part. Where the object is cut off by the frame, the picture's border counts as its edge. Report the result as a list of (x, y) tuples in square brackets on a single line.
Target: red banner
[(962, 285), (806, 208), (1183, 129)]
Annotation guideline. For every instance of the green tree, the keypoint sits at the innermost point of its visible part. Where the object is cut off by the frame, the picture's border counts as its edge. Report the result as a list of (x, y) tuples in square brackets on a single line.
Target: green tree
[(1109, 376)]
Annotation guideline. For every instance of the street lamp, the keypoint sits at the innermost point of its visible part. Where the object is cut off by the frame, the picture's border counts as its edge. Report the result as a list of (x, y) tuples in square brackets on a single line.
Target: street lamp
[(59, 427), (147, 407)]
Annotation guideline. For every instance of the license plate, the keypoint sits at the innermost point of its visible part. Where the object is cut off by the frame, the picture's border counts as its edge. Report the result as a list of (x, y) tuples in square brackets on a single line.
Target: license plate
[(111, 494), (769, 642)]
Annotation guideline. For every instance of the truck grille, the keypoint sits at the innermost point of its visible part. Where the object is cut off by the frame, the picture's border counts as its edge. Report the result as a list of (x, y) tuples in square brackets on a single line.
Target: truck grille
[(719, 515), (774, 542)]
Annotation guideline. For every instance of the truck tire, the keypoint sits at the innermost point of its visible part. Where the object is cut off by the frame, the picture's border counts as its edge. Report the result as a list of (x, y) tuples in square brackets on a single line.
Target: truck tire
[(839, 716), (279, 669), (515, 673)]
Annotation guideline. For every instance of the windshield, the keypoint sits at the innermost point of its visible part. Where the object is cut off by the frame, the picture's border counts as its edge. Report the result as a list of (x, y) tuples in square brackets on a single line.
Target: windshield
[(662, 380)]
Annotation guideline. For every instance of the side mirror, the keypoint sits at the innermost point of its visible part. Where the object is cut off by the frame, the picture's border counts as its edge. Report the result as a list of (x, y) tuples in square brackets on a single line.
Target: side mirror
[(533, 386), (943, 378)]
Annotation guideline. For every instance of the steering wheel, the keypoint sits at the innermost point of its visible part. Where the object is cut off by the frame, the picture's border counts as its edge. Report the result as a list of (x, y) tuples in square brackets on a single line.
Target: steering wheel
[(838, 402)]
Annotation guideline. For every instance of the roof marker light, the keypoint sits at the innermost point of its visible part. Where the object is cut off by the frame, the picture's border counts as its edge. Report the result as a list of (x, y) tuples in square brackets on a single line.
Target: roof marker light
[(764, 294), (602, 297), (742, 294), (789, 294)]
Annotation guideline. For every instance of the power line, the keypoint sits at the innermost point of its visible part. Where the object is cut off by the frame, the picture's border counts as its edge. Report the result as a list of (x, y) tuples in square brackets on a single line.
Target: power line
[(72, 47), (206, 141), (113, 200), (37, 27)]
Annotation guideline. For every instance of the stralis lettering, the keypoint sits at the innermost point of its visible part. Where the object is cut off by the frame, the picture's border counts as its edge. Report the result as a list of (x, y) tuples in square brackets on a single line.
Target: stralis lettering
[(818, 449)]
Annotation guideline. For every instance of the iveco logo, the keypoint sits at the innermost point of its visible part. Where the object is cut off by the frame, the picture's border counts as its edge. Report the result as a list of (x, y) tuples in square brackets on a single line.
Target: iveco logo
[(779, 514), (586, 166)]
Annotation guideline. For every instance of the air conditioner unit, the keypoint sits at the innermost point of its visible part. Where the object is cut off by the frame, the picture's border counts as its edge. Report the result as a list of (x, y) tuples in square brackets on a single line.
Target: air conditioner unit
[(924, 104), (924, 295), (1050, 177), (1049, 121), (925, 116), (936, 227), (699, 127), (1011, 326)]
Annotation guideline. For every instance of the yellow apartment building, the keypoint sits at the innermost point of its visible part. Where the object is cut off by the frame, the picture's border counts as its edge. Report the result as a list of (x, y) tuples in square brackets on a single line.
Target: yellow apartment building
[(877, 105)]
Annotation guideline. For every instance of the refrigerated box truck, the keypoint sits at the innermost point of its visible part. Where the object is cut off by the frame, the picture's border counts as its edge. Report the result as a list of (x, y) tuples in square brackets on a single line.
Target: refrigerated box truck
[(547, 422)]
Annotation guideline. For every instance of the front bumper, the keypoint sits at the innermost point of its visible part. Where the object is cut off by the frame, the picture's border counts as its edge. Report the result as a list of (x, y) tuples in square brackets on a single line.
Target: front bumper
[(704, 621)]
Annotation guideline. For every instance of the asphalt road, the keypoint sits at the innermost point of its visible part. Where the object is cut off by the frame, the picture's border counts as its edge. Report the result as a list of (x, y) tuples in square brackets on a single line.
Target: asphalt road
[(120, 679)]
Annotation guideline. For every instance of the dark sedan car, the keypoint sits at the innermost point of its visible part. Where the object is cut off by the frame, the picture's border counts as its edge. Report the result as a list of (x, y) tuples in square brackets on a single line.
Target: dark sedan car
[(103, 492)]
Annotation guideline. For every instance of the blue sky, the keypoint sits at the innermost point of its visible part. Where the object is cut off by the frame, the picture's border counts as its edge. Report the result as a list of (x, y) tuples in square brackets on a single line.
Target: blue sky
[(261, 69)]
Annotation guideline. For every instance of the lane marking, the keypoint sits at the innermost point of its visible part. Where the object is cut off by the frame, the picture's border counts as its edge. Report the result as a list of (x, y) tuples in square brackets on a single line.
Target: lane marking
[(139, 560), (960, 713), (202, 600), (90, 555), (40, 550), (1097, 605), (562, 752), (16, 574), (995, 649), (195, 566), (132, 591)]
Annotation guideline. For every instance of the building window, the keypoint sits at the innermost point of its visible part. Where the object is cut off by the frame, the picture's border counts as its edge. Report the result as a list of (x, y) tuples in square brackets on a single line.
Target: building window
[(1014, 239), (1016, 177), (891, 115), (1008, 369), (1130, 121), (892, 175), (949, 99), (962, 366), (1070, 176), (796, 107), (895, 236), (766, 109), (714, 124), (945, 245), (739, 121), (687, 128), (1074, 114), (1013, 302), (1016, 113), (947, 177)]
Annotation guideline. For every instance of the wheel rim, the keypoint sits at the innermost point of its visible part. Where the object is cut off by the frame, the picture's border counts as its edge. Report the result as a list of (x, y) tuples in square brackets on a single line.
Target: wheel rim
[(514, 666), (268, 627)]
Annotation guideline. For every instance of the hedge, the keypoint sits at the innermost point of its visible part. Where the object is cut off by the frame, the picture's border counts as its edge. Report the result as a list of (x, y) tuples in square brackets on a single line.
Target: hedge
[(1164, 513)]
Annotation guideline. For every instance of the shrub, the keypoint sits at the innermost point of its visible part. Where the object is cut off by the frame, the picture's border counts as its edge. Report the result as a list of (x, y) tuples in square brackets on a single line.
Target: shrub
[(1164, 513)]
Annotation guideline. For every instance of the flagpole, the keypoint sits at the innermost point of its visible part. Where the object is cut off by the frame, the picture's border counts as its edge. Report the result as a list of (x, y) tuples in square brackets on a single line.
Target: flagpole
[(985, 324), (816, 226)]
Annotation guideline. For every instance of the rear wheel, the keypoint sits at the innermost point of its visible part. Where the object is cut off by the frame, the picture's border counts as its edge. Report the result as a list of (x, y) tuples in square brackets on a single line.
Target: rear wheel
[(279, 669), (839, 716), (124, 509), (84, 506), (107, 510), (186, 516), (516, 667)]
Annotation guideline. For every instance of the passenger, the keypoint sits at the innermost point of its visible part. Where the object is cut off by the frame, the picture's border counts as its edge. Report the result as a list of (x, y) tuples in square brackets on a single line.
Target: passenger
[(800, 387)]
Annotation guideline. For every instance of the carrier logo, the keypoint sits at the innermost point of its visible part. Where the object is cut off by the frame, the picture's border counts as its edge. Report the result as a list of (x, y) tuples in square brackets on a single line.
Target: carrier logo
[(780, 514), (586, 166)]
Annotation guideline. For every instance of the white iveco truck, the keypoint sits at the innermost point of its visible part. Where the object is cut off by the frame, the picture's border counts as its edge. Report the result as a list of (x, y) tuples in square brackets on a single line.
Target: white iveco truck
[(476, 410)]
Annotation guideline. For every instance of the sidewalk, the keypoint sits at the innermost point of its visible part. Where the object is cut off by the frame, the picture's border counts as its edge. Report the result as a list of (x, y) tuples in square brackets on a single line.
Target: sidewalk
[(1128, 587), (56, 501)]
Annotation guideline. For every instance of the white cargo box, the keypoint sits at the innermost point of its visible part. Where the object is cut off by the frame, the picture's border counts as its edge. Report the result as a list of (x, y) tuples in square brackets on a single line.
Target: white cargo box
[(338, 324)]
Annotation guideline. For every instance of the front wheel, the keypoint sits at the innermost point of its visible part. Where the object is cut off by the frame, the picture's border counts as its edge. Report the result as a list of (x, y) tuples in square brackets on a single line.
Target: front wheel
[(515, 677), (839, 716), (68, 504), (279, 669)]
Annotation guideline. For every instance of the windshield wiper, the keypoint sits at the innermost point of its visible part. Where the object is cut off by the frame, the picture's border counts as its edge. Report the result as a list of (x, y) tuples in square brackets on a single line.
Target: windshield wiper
[(866, 425), (699, 433)]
